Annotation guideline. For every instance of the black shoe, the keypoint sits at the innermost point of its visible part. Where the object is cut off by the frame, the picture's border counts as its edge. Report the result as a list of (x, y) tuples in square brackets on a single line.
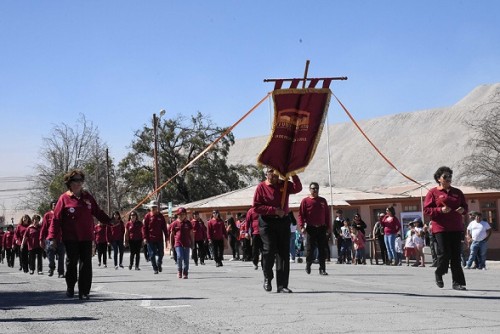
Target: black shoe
[(459, 287), (217, 264), (155, 272), (51, 273), (61, 276), (308, 269), (439, 280), (70, 292), (323, 273), (267, 285), (284, 290), (83, 296), (159, 268), (255, 267)]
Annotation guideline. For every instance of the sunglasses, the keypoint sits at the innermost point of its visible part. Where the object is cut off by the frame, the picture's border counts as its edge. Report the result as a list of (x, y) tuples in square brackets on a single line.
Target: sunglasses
[(76, 180)]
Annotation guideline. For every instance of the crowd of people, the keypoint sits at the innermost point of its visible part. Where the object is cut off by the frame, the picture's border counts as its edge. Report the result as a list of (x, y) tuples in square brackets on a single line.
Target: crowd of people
[(267, 234)]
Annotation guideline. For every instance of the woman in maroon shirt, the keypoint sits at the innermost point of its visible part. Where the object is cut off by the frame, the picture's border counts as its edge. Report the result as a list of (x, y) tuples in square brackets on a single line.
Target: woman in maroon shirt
[(21, 228), (115, 237), (391, 226), (31, 242), (133, 238), (74, 221), (446, 206)]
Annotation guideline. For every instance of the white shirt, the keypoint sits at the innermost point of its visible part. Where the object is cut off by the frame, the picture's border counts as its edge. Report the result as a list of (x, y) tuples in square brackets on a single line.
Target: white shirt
[(478, 231)]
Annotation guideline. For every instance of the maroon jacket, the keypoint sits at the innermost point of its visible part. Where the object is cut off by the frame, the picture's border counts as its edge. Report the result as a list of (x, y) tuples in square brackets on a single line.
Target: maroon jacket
[(154, 227), (116, 231), (134, 230), (32, 237), (19, 233), (8, 240), (267, 197), (314, 211), (101, 234), (199, 230), (391, 226), (74, 218), (47, 220), (182, 231), (216, 229), (445, 222), (253, 221)]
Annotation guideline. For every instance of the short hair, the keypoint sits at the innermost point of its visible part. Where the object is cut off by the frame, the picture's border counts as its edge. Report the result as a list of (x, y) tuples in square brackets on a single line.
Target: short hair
[(440, 171), (339, 211), (314, 184), (68, 177)]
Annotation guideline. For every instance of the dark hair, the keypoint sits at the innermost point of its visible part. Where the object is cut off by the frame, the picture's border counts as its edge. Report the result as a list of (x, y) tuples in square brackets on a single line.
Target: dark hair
[(339, 211), (68, 177), (440, 171), (314, 184), (391, 210), (133, 213), (36, 217), (117, 213)]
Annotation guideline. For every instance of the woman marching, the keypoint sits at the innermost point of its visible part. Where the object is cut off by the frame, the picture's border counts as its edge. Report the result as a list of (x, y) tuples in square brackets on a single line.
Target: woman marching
[(133, 238), (74, 222)]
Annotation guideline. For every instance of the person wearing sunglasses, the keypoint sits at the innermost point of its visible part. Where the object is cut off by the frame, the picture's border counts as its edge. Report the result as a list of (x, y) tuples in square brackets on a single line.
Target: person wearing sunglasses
[(446, 206), (74, 222), (314, 223)]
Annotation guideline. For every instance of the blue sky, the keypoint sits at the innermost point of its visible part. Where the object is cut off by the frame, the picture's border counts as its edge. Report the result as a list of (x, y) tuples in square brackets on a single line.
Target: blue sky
[(118, 62)]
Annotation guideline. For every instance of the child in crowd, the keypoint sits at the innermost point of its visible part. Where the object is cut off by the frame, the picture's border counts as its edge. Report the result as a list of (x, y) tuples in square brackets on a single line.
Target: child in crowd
[(409, 250), (399, 250), (358, 241), (418, 240), (346, 246)]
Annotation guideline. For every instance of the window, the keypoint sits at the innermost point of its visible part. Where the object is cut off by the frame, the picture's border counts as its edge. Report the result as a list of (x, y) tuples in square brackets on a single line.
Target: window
[(490, 213), (409, 208)]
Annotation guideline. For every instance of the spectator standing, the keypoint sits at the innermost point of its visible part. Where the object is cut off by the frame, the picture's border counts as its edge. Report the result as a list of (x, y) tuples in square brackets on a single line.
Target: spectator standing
[(478, 231), (391, 226)]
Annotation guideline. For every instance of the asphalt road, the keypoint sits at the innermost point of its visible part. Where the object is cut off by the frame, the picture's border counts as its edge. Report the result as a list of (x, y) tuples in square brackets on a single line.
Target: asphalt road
[(230, 299)]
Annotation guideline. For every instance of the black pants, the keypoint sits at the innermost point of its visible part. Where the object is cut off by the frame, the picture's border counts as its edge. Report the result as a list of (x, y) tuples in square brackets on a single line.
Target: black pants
[(117, 251), (316, 238), (433, 247), (257, 248), (199, 251), (448, 254), (235, 246), (275, 234), (35, 255), (383, 249), (23, 259), (11, 255), (218, 250), (135, 252), (101, 252), (79, 253), (246, 249)]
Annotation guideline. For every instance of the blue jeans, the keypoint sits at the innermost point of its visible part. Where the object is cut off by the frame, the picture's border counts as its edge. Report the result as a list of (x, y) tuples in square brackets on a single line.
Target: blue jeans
[(478, 248), (117, 250), (51, 254), (155, 250), (390, 243), (182, 258)]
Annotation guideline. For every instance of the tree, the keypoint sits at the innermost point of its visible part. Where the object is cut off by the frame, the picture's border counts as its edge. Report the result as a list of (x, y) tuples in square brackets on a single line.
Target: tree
[(180, 140), (64, 149), (483, 166)]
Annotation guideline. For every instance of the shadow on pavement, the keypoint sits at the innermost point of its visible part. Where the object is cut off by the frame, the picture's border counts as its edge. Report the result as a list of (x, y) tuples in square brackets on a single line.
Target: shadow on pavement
[(404, 294)]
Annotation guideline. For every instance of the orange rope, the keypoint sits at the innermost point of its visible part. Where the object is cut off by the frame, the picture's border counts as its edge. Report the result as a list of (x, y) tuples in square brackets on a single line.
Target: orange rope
[(208, 148), (373, 145)]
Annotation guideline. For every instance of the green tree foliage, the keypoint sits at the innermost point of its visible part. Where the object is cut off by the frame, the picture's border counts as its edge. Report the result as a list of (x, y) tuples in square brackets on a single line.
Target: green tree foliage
[(180, 140)]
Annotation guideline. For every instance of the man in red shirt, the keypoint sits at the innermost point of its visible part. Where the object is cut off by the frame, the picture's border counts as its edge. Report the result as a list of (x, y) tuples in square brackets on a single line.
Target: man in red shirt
[(200, 236), (155, 227), (252, 219), (274, 227), (314, 223)]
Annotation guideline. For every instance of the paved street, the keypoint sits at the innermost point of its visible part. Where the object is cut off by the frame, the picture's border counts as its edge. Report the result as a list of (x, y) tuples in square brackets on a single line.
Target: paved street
[(230, 299)]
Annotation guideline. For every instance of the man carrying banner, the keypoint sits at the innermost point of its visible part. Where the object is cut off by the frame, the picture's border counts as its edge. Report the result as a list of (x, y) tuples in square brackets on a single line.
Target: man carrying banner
[(274, 227)]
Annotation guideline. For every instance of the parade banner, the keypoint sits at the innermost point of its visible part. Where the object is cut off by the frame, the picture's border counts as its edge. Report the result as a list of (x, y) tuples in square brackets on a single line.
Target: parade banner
[(299, 115)]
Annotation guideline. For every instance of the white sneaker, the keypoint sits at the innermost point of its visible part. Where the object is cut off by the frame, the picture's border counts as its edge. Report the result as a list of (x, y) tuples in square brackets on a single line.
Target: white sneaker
[(116, 267), (232, 259), (292, 261)]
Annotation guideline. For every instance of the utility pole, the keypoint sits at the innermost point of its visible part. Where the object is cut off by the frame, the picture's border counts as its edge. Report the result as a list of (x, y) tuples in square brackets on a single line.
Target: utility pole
[(155, 156), (108, 192)]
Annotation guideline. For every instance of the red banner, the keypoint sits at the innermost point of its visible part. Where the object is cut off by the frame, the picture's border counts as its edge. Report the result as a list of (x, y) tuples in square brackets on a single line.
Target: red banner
[(299, 115)]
